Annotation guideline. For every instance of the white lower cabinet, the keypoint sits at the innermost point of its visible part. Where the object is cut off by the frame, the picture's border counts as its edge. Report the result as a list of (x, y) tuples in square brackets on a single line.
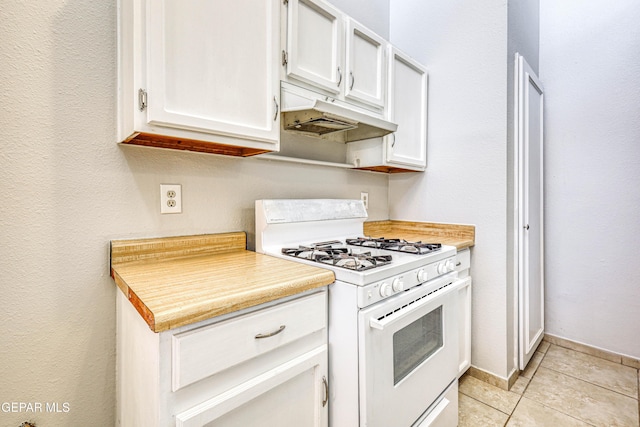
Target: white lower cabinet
[(286, 396), (463, 261), (264, 366)]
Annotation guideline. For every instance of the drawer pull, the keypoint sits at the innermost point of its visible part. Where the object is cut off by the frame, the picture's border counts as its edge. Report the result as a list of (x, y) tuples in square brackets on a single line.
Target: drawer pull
[(270, 334), (326, 392), (459, 263)]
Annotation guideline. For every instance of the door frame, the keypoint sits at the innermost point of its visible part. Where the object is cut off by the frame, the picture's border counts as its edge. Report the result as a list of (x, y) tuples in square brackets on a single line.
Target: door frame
[(525, 75)]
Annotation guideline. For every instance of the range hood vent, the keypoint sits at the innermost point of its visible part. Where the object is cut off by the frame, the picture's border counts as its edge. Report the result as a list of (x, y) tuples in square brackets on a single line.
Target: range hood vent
[(318, 124), (305, 112)]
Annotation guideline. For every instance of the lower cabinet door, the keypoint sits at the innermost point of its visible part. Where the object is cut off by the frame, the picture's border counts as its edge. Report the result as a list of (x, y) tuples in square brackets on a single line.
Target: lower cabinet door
[(294, 394)]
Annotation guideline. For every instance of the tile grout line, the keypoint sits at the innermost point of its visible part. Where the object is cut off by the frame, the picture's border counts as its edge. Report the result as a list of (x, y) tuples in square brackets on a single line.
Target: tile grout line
[(586, 381), (546, 406), (487, 405), (524, 390)]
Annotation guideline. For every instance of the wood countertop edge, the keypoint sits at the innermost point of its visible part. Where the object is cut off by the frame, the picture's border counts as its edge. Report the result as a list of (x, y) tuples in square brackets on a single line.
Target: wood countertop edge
[(201, 306), (140, 307), (229, 304)]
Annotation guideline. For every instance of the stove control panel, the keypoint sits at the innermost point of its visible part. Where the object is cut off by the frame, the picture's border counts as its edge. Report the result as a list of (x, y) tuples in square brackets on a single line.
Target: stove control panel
[(378, 291)]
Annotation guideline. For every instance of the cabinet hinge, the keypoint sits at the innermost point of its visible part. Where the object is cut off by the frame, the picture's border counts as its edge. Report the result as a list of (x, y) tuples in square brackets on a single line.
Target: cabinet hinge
[(285, 58), (142, 99)]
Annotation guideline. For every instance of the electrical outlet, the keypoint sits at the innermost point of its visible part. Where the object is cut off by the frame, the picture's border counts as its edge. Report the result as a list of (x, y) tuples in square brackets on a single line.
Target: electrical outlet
[(364, 196), (170, 198)]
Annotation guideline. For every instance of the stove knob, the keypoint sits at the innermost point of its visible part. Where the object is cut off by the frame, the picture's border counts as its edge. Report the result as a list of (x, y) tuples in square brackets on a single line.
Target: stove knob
[(385, 290), (442, 268), (450, 265), (397, 285), (422, 276)]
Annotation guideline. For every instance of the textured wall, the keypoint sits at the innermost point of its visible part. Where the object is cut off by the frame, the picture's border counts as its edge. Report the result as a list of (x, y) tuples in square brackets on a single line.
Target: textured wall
[(373, 14), (463, 44), (589, 64), (69, 189)]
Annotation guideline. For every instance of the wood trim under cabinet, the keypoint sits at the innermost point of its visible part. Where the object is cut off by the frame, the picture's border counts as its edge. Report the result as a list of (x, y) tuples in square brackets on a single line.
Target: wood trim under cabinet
[(386, 169), (162, 141)]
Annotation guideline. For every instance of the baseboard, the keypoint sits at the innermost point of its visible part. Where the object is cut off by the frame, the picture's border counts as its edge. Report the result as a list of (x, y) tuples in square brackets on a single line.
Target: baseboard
[(507, 383), (593, 351), (494, 380)]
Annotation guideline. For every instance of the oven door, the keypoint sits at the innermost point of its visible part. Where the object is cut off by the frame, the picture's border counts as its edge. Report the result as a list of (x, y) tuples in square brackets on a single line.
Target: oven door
[(408, 353)]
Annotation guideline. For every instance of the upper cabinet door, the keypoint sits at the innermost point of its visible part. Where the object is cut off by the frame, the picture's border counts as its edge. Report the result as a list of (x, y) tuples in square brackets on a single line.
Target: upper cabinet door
[(365, 65), (212, 67), (314, 44), (407, 106)]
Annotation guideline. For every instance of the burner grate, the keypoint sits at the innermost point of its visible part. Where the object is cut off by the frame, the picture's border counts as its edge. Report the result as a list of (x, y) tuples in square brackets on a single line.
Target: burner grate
[(338, 256), (398, 245)]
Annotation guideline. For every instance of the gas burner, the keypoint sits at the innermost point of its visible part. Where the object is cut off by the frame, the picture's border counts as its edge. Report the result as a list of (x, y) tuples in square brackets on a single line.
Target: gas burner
[(398, 245), (311, 252), (359, 262), (338, 256)]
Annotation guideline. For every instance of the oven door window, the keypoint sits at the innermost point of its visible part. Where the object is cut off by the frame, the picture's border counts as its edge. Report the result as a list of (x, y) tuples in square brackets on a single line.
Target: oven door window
[(416, 342)]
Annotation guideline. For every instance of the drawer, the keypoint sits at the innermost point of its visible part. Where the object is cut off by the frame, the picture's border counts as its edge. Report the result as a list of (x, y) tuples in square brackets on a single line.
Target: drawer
[(205, 351), (463, 260)]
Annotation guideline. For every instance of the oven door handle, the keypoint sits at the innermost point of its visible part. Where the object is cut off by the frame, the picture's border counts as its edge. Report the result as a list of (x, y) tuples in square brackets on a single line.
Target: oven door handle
[(382, 322)]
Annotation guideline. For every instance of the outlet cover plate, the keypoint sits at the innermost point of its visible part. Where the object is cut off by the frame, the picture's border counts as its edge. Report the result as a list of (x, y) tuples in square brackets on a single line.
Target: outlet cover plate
[(170, 198)]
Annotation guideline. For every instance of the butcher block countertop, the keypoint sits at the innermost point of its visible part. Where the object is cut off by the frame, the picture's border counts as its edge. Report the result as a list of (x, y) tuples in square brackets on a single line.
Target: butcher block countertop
[(177, 281), (459, 235)]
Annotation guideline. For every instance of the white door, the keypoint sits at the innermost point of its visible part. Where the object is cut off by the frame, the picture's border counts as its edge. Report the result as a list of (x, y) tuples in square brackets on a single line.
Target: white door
[(365, 66), (408, 108), (213, 67), (530, 118), (315, 42)]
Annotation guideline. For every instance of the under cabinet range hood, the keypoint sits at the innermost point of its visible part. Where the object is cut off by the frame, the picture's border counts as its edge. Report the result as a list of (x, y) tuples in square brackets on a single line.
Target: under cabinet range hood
[(313, 114)]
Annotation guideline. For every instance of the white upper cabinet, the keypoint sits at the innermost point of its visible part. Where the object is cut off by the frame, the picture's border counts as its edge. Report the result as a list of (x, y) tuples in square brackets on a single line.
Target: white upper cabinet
[(315, 40), (332, 53), (406, 149), (200, 75), (408, 108), (365, 65)]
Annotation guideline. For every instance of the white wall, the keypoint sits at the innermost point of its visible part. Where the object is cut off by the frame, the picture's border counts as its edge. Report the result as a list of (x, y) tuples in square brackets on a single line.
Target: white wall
[(373, 14), (463, 43), (590, 66), (69, 189)]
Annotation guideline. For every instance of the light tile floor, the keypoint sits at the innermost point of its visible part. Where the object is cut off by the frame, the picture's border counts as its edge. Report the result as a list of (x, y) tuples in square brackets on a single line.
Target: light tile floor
[(560, 387)]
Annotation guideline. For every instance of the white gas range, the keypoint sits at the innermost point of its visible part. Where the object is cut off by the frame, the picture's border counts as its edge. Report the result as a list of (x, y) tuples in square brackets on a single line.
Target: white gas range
[(392, 312)]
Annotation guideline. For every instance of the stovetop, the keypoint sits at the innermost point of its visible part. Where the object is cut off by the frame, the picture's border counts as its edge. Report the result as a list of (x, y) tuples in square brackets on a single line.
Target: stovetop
[(344, 255), (335, 253), (396, 245), (324, 233), (361, 264)]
